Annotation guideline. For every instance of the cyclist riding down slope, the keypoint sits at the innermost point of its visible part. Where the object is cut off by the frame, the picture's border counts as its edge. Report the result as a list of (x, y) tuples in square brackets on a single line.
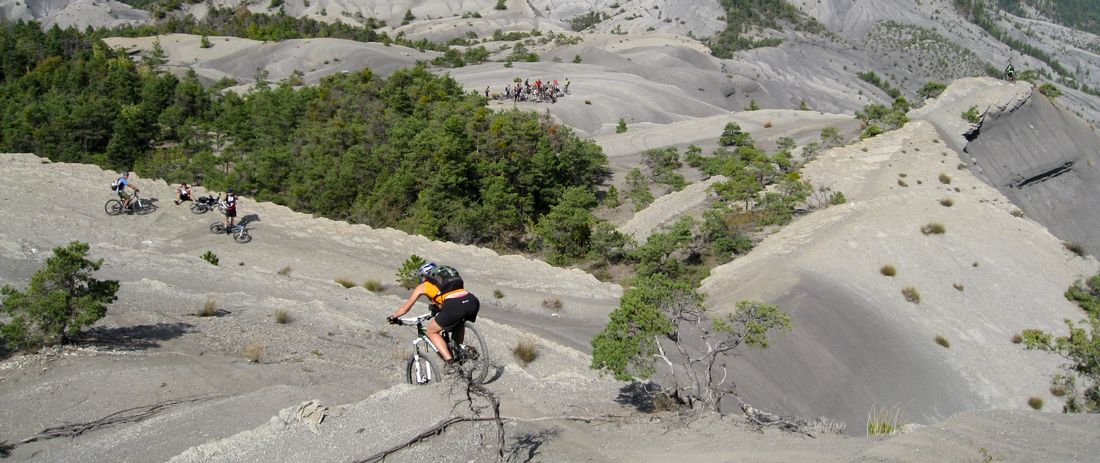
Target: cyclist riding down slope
[(120, 188), (451, 303)]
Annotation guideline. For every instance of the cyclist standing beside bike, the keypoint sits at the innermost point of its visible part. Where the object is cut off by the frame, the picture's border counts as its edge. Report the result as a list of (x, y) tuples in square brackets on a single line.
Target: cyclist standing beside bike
[(120, 189), (230, 210), (449, 300)]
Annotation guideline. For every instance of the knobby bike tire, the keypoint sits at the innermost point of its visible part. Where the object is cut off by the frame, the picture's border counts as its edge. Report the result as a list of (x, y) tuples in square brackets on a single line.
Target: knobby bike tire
[(475, 368), (217, 227), (113, 207), (429, 366), (145, 208), (243, 237), (197, 208)]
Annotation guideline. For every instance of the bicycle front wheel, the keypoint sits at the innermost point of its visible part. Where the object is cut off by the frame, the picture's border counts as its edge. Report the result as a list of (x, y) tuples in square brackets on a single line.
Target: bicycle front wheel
[(473, 355), (145, 207), (423, 367), (113, 207), (242, 237)]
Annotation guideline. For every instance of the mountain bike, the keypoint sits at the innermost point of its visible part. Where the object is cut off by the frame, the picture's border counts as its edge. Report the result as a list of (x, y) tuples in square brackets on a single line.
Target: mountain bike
[(206, 203), (472, 357), (239, 232), (138, 206)]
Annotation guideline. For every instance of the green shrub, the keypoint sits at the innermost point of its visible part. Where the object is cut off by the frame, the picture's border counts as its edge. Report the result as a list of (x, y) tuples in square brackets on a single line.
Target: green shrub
[(1035, 403), (945, 179), (942, 341), (209, 256), (971, 115), (911, 294), (621, 127), (60, 300), (498, 294), (344, 282), (888, 270), (837, 198), (934, 228), (958, 286), (1074, 247), (1049, 90), (406, 274), (947, 202), (285, 271), (372, 285), (552, 304)]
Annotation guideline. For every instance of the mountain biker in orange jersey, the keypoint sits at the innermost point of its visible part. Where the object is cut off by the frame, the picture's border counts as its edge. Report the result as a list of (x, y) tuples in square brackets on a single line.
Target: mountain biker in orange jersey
[(453, 309)]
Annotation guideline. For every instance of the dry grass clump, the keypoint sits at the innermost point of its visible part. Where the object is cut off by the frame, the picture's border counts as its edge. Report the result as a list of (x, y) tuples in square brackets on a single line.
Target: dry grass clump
[(888, 270), (552, 304), (881, 422), (911, 294), (942, 341), (254, 352), (1017, 338), (498, 294), (947, 202), (1036, 403), (526, 351), (902, 183), (282, 316), (958, 286), (767, 124), (344, 282), (945, 179), (210, 308), (1074, 247), (285, 271), (1018, 213), (1059, 390), (372, 285), (934, 228)]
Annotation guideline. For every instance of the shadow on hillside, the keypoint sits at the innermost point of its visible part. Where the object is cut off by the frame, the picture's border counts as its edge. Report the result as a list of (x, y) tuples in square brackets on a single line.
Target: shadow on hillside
[(134, 337), (245, 220), (5, 449), (639, 395), (526, 446)]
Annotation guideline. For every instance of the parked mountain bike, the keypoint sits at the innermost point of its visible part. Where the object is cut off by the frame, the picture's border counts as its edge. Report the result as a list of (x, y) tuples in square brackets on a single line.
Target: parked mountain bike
[(138, 206), (425, 367), (239, 232), (203, 204)]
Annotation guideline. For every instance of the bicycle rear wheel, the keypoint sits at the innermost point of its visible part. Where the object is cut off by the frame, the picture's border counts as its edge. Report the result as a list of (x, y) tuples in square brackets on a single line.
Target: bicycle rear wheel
[(423, 368), (113, 207), (473, 355), (199, 208), (217, 227)]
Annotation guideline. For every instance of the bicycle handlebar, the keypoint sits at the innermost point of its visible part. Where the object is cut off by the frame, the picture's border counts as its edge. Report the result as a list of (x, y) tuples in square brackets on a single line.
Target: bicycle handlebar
[(410, 320)]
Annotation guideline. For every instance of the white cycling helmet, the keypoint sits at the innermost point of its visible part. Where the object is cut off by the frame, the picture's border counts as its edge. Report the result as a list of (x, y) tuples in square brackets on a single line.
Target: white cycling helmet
[(425, 269)]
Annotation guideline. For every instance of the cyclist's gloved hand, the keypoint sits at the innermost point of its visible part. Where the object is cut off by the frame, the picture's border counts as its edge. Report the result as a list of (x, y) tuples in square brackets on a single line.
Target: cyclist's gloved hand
[(393, 320)]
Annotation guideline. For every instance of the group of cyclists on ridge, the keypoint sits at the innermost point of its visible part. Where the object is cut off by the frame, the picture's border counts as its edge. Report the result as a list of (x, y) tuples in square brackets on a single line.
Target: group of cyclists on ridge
[(549, 90), (183, 194)]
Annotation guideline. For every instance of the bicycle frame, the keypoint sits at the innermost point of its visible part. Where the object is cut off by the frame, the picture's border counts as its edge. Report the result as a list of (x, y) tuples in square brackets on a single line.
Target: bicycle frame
[(421, 337)]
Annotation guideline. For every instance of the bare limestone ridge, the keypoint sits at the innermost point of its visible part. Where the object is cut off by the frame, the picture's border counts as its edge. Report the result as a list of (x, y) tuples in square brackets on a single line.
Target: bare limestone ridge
[(75, 13), (854, 328)]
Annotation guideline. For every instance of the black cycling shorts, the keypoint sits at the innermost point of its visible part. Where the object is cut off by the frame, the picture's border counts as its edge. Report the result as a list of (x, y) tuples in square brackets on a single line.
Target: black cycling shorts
[(231, 212), (456, 310)]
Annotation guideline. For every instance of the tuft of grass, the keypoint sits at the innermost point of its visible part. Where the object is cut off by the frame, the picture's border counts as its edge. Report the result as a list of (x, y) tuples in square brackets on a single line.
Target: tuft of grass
[(285, 271), (209, 256), (498, 294), (1074, 247), (881, 422), (767, 124), (958, 286), (553, 304), (888, 270), (372, 285), (1017, 338), (934, 228), (911, 294), (942, 341), (344, 282), (902, 182), (210, 308), (254, 352), (282, 316), (903, 175), (526, 351), (947, 202), (1059, 390), (1035, 403), (945, 179), (1018, 213)]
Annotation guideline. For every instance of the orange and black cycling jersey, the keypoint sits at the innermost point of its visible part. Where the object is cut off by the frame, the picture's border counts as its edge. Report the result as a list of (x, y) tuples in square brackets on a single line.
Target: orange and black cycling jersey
[(432, 291)]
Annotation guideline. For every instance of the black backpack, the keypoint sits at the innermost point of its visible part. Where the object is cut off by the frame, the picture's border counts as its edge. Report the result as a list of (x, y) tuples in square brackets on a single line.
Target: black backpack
[(446, 278)]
